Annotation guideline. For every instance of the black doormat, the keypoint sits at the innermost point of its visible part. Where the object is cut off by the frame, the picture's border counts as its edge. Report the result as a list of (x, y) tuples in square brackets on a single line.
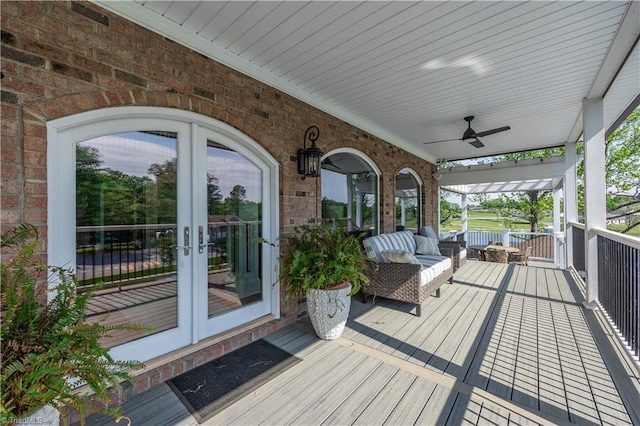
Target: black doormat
[(210, 388)]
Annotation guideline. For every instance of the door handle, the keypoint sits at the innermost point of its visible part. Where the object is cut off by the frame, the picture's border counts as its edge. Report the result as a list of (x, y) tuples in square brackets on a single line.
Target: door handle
[(187, 242), (201, 244)]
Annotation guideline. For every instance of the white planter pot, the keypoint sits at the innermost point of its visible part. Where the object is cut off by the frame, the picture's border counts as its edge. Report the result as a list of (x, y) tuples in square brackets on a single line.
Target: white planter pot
[(328, 311), (46, 416)]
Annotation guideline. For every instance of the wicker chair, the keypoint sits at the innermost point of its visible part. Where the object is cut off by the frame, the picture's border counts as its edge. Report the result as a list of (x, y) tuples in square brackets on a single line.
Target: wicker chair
[(496, 255), (520, 257), (459, 247)]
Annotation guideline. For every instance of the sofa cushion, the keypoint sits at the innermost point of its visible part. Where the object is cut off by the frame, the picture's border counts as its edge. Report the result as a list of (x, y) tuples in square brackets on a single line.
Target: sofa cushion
[(400, 256), (433, 266), (426, 245), (375, 245)]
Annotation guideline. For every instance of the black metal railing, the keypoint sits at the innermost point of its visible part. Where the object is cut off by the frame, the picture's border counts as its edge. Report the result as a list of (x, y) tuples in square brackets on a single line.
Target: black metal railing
[(117, 255), (121, 253), (619, 288), (577, 240)]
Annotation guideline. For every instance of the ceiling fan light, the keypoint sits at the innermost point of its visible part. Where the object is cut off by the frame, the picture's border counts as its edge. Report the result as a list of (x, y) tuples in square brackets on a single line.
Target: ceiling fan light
[(469, 134)]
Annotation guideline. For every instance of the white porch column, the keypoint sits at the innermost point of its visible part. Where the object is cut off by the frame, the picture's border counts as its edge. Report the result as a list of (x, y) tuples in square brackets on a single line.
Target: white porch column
[(463, 205), (556, 226), (358, 208), (349, 202), (403, 212), (570, 197), (595, 191), (505, 237)]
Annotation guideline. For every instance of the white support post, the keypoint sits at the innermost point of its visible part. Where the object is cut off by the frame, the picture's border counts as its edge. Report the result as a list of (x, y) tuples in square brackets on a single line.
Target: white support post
[(403, 212), (358, 208), (556, 226), (349, 202), (463, 203), (595, 191), (439, 213), (570, 197), (505, 237)]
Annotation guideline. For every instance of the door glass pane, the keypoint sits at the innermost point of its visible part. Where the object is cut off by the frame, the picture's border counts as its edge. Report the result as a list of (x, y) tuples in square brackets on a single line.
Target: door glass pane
[(234, 216), (407, 202), (126, 215), (349, 194)]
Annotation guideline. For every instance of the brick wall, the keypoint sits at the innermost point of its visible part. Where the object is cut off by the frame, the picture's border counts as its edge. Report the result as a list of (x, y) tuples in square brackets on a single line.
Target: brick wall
[(62, 58)]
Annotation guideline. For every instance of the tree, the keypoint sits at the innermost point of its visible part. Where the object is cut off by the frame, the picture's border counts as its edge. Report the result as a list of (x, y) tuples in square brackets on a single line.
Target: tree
[(165, 190), (214, 197), (497, 206), (105, 196), (532, 204), (238, 193), (623, 170), (448, 210)]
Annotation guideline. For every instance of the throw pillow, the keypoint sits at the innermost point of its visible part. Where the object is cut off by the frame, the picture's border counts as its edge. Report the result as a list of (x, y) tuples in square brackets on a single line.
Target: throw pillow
[(400, 256), (427, 231), (427, 246)]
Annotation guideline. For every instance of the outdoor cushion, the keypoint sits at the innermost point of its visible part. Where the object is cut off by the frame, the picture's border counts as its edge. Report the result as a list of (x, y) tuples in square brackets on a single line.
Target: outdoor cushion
[(433, 266), (374, 246), (400, 256), (427, 231), (426, 245)]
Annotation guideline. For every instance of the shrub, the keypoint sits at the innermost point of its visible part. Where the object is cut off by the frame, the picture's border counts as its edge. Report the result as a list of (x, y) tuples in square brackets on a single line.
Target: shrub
[(48, 350)]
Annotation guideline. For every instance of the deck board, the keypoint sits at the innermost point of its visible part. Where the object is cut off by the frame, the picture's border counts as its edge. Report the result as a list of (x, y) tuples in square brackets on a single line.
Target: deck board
[(504, 344), (411, 405), (360, 399), (323, 405)]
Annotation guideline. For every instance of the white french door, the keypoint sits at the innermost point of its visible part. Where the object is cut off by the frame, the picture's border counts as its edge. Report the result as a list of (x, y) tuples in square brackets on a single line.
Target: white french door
[(168, 213), (232, 192)]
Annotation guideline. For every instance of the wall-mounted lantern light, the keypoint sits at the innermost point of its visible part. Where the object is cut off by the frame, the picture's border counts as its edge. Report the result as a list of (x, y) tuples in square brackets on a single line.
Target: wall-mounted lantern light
[(309, 158)]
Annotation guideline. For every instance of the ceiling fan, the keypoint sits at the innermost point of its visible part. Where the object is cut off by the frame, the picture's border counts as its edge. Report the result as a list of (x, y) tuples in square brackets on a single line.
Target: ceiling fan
[(472, 136), (331, 163)]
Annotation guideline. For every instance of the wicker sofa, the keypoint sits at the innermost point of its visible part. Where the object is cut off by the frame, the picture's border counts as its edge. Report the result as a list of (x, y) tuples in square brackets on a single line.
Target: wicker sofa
[(405, 282)]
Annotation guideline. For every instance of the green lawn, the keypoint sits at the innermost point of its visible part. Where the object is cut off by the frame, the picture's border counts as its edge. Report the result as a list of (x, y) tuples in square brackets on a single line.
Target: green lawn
[(479, 220)]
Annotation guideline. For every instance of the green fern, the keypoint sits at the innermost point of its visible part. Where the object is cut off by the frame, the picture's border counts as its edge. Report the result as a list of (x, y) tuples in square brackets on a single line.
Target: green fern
[(319, 257), (47, 348)]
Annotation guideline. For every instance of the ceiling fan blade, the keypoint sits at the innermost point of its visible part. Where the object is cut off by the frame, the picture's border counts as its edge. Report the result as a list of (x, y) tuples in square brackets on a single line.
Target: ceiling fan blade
[(330, 163), (492, 131), (444, 140), (476, 142)]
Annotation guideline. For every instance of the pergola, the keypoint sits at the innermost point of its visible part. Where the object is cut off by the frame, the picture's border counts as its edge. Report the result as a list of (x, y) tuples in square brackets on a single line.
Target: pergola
[(534, 174)]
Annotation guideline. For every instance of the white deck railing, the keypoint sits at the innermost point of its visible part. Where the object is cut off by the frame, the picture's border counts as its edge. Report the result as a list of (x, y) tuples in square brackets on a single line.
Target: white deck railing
[(546, 247)]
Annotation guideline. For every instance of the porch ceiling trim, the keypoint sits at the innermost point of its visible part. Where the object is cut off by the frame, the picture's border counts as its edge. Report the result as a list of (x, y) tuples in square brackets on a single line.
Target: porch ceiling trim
[(378, 81), (140, 15)]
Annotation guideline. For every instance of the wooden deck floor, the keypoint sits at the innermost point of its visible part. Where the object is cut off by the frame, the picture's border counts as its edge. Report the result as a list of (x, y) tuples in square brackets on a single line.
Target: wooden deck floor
[(504, 344)]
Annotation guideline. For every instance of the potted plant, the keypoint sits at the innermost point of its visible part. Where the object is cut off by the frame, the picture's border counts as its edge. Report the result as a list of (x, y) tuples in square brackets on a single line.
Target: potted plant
[(327, 266), (48, 350)]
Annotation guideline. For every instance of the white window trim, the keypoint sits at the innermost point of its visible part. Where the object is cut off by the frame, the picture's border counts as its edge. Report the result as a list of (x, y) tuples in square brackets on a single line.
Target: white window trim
[(373, 166)]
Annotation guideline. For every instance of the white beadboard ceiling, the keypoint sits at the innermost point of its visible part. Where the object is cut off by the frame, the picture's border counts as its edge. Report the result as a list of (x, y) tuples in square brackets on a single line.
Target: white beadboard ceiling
[(409, 72)]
